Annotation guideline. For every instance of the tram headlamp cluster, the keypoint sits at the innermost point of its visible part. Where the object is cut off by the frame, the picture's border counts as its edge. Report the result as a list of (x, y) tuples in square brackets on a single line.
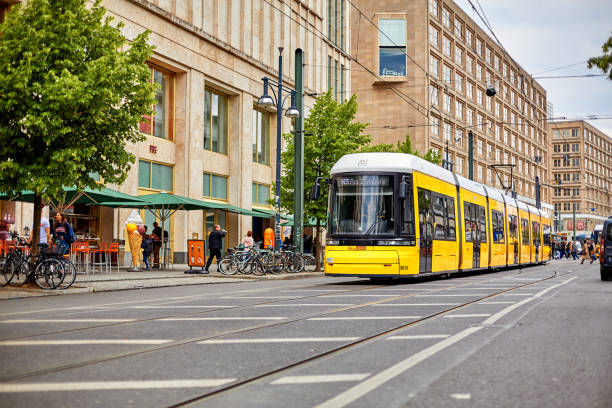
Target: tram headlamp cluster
[(396, 243), (332, 242)]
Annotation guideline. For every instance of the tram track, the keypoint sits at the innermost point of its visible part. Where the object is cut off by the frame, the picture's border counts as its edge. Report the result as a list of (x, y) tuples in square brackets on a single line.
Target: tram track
[(192, 340)]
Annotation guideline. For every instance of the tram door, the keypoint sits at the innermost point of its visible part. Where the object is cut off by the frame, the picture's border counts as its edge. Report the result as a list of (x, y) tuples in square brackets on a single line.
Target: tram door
[(473, 230), (426, 231)]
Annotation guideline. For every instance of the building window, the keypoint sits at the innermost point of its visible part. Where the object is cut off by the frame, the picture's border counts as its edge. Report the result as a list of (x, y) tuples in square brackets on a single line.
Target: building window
[(435, 94), (479, 97), (341, 82), (575, 132), (335, 23), (261, 137), (458, 55), (215, 186), (447, 103), (434, 36), (433, 65), (458, 82), (435, 127), (433, 8), (446, 18), (459, 110), (458, 28), (479, 72), (329, 73), (154, 176), (479, 47), (261, 194), (335, 80), (469, 90), (446, 45), (469, 62), (447, 131), (446, 74), (459, 166), (216, 119), (161, 123), (392, 51)]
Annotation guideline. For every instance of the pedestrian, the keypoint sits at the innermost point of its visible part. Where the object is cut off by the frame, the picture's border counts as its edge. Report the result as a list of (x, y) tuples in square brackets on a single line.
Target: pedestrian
[(147, 248), (592, 251), (584, 252), (62, 234), (247, 242), (575, 249), (45, 234), (215, 243), (157, 243)]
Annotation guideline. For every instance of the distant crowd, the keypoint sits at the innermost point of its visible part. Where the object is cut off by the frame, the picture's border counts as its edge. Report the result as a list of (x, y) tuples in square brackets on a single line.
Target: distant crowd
[(583, 251)]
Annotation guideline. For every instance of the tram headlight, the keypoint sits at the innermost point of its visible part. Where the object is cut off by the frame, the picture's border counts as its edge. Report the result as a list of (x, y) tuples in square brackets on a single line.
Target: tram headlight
[(396, 243), (332, 242)]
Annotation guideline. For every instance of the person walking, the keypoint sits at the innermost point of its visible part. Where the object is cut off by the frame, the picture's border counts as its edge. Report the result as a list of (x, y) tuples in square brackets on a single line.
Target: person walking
[(591, 251), (62, 234), (215, 243), (247, 241), (147, 248), (584, 253), (45, 233), (575, 249)]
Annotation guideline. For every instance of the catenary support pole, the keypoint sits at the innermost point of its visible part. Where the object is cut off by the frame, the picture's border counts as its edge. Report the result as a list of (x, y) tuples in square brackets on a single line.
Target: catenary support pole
[(298, 184), (279, 125), (470, 155)]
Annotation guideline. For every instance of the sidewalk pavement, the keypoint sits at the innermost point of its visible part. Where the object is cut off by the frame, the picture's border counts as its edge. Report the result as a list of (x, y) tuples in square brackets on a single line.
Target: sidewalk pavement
[(123, 280)]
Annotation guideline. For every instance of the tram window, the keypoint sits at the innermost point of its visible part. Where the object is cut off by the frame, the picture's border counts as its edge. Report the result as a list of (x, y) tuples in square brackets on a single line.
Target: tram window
[(482, 221), (425, 216), (525, 231), (498, 226), (467, 211), (451, 231), (547, 236), (438, 210), (535, 232), (408, 212), (512, 227)]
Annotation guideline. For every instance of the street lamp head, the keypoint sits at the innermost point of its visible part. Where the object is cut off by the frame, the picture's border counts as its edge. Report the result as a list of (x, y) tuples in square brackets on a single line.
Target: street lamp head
[(265, 101), (491, 90), (293, 112)]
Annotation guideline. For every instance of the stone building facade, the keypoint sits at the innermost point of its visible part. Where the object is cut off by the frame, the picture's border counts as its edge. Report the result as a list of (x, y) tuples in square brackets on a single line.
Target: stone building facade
[(581, 173), (422, 68), (208, 139)]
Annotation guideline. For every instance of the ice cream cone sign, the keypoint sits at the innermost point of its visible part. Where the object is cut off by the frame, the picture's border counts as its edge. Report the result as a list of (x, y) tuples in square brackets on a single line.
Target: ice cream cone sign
[(134, 237)]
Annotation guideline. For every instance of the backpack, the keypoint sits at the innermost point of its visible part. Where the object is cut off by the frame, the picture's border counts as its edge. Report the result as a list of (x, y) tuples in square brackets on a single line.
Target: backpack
[(69, 238)]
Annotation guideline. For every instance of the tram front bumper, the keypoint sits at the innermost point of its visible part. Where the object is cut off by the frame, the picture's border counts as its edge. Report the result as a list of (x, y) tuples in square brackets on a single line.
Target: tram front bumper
[(367, 262)]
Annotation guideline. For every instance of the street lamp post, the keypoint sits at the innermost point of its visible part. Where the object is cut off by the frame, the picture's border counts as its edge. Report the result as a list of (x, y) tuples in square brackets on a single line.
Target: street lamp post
[(267, 101)]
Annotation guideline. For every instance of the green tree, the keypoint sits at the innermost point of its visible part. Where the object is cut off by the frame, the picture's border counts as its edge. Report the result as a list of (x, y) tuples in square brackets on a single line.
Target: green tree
[(72, 92), (330, 132), (403, 147), (605, 61)]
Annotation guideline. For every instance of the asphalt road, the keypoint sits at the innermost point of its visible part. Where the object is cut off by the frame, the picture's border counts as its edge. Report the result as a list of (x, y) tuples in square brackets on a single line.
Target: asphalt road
[(532, 337)]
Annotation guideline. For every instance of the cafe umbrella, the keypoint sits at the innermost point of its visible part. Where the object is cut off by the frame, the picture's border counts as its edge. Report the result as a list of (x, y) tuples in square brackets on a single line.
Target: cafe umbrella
[(163, 205)]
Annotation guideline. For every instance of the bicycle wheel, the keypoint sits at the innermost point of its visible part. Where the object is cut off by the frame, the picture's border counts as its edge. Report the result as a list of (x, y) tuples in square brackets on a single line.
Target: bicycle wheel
[(275, 263), (8, 269), (309, 262), (228, 266), (69, 274), (295, 263), (48, 274), (20, 272), (257, 267)]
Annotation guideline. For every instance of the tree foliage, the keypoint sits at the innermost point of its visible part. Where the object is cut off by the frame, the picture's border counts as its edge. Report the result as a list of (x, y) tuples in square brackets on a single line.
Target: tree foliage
[(330, 133), (603, 62), (72, 92), (404, 147)]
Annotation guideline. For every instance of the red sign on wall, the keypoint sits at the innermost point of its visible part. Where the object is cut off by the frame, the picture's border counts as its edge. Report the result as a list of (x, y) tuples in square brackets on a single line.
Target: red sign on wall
[(580, 225), (152, 149)]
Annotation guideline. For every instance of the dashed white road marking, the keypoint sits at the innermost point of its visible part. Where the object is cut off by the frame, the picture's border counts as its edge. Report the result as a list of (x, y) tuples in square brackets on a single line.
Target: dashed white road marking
[(461, 396), (113, 385), (455, 295), (505, 311), (420, 336), (304, 304), (67, 320), (375, 381), (182, 307), (313, 379), (176, 319), (516, 294), (257, 297), (467, 315), (494, 303), (389, 295), (279, 340), (313, 290), (539, 294), (79, 342), (366, 318), (416, 304)]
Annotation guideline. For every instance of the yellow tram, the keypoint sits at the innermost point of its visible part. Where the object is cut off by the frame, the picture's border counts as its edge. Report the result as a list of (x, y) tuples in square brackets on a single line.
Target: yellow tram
[(396, 215)]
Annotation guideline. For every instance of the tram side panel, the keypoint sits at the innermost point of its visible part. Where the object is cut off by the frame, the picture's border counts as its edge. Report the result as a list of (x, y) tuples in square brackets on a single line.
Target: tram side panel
[(474, 224), (524, 238), (498, 237), (513, 222), (435, 205)]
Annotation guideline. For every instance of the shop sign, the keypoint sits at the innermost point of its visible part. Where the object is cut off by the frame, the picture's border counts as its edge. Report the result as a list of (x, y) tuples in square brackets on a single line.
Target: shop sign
[(153, 149), (580, 225)]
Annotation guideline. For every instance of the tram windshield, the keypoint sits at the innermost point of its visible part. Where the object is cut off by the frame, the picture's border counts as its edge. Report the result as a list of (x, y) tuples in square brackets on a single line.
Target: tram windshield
[(362, 205)]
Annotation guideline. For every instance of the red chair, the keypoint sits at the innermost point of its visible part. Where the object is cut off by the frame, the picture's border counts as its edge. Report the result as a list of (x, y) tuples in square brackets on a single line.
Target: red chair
[(113, 248)]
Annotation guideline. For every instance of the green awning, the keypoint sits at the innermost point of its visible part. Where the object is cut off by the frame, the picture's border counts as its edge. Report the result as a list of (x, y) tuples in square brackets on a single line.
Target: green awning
[(310, 222)]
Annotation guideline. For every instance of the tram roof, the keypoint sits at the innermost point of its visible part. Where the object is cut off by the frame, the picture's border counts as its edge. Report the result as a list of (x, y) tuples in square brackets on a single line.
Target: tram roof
[(390, 162)]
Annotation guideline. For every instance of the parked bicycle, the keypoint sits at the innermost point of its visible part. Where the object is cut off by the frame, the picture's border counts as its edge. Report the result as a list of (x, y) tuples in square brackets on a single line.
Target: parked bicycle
[(47, 269), (252, 260)]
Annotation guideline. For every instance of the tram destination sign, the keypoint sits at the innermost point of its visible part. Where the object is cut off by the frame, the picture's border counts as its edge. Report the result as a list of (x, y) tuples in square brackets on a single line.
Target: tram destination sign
[(364, 181)]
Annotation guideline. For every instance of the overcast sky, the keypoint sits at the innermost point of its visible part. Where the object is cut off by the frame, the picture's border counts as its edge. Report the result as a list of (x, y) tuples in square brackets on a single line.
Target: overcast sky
[(544, 34)]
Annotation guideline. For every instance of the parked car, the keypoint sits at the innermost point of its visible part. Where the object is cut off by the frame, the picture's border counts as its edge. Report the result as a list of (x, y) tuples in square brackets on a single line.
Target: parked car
[(605, 251)]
